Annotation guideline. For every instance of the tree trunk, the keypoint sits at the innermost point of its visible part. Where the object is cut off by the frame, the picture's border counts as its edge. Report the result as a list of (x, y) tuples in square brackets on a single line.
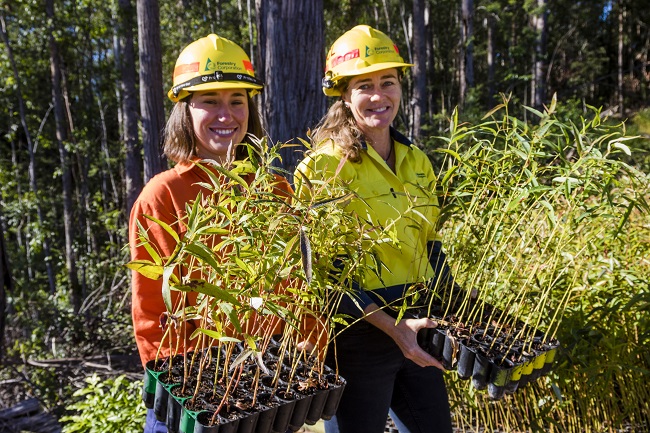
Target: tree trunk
[(419, 70), (467, 48), (538, 87), (619, 63), (64, 158), (151, 88), (133, 161), (490, 58), (292, 100), (6, 285), (32, 159), (431, 61)]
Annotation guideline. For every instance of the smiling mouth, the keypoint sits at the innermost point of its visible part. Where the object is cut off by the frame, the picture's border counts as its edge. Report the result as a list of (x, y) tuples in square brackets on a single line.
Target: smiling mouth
[(224, 132), (378, 110)]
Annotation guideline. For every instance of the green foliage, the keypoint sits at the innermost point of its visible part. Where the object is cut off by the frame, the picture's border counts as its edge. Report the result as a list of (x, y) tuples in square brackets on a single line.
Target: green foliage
[(258, 259), (549, 222), (106, 405)]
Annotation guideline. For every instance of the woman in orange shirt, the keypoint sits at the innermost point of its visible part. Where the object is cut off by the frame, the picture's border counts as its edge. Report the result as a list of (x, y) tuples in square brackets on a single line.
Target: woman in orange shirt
[(213, 84)]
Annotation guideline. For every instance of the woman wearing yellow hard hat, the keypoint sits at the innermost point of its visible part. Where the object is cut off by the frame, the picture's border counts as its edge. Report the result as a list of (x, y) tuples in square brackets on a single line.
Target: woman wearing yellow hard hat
[(213, 113), (356, 146)]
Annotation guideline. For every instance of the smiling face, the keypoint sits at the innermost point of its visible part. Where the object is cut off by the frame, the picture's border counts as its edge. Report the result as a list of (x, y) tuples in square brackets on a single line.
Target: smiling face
[(219, 118), (374, 100)]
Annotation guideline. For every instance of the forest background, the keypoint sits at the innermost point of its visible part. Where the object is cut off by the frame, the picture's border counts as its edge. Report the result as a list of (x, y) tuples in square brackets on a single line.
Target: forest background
[(83, 103)]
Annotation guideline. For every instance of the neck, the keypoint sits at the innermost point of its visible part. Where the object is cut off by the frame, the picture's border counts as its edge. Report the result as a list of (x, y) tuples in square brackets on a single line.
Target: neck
[(381, 142)]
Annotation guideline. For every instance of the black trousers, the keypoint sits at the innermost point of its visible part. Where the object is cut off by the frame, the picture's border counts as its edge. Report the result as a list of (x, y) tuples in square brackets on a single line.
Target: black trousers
[(379, 378)]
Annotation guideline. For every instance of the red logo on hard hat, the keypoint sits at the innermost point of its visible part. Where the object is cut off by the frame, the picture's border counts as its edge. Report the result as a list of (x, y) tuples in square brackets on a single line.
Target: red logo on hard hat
[(184, 69), (396, 49), (344, 58), (248, 65)]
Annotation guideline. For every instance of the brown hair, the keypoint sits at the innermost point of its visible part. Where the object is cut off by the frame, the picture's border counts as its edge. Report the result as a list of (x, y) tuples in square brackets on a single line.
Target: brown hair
[(180, 141), (338, 127)]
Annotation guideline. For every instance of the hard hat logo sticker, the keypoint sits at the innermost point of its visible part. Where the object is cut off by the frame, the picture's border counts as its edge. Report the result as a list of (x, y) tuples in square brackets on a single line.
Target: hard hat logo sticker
[(345, 57)]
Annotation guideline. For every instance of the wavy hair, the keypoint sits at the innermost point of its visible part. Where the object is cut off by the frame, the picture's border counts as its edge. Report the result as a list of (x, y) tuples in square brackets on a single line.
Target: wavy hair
[(339, 128), (179, 143)]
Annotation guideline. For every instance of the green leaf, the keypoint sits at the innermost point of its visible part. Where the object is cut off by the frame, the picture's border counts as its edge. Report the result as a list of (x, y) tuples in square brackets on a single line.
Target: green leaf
[(147, 268), (166, 287), (203, 253), (165, 226), (209, 289)]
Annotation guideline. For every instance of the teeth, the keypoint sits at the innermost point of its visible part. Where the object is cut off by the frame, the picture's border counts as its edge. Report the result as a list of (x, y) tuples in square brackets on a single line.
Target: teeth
[(222, 131), (379, 110)]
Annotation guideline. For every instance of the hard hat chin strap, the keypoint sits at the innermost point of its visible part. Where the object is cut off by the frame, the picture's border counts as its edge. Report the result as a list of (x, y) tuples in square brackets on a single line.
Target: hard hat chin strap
[(216, 76)]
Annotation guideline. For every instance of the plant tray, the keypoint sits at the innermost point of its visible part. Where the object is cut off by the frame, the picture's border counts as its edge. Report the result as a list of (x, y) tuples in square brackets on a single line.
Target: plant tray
[(497, 359), (278, 405)]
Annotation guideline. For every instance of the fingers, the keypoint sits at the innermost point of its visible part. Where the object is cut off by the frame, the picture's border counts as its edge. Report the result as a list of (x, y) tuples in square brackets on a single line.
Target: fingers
[(423, 359), (306, 346), (423, 323)]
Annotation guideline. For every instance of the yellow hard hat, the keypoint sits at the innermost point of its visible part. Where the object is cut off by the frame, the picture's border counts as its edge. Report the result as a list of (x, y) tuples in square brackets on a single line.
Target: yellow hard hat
[(359, 51), (212, 62)]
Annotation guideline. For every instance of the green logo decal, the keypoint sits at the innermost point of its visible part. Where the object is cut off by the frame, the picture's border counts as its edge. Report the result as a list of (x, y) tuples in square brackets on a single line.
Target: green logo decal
[(209, 65)]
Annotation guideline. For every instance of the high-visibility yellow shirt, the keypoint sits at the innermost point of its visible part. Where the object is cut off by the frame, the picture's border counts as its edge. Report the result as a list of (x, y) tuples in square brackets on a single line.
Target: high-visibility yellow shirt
[(404, 202)]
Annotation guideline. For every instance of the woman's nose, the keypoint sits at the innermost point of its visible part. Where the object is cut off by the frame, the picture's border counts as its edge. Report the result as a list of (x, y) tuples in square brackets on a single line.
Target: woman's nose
[(376, 95), (223, 113)]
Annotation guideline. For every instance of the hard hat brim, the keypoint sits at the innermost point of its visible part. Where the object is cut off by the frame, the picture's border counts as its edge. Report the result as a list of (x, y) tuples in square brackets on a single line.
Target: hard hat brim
[(222, 85), (336, 91)]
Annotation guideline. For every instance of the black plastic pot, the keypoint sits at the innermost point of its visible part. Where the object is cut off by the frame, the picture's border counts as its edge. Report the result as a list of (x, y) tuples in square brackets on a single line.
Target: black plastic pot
[(466, 358), (268, 412), (161, 397), (551, 354), (285, 410), (526, 371), (248, 422), (450, 352), (174, 412), (222, 424), (437, 343), (300, 410), (499, 377), (149, 386), (481, 371), (315, 411), (337, 385), (424, 337)]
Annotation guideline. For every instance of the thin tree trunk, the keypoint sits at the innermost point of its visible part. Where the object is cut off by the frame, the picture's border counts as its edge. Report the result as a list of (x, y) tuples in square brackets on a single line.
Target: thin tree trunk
[(6, 285), (419, 70), (406, 112), (490, 57), (151, 87), (387, 16), (467, 48), (66, 175), (32, 159), (293, 100), (538, 86), (462, 81), (431, 61), (133, 161), (619, 62)]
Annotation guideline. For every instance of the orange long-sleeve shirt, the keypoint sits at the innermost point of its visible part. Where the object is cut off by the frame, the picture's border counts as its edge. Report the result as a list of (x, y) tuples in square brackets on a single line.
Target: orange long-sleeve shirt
[(164, 197)]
